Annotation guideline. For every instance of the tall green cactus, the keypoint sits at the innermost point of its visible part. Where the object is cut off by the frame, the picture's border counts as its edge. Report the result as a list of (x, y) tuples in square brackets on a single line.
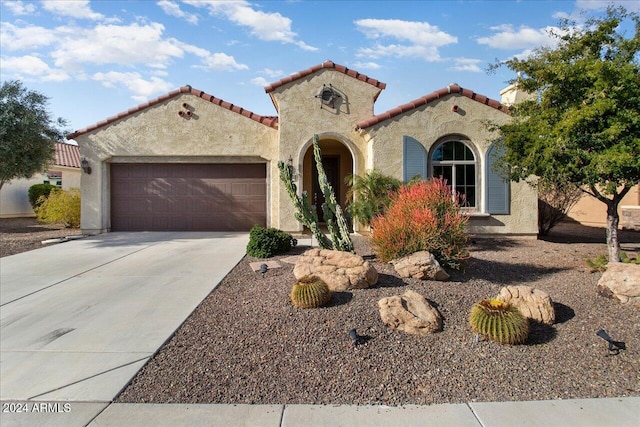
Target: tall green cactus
[(332, 211), (304, 213), (340, 238)]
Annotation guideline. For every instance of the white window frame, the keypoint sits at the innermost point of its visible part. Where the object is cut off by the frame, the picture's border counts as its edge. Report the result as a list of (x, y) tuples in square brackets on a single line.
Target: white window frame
[(477, 168)]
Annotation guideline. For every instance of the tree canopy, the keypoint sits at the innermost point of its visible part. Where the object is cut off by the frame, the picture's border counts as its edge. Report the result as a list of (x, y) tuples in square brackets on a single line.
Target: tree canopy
[(583, 119), (27, 132)]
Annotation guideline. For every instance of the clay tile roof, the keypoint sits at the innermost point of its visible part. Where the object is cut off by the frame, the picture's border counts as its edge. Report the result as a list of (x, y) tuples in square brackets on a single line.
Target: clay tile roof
[(67, 155), (326, 64), (271, 121), (440, 93)]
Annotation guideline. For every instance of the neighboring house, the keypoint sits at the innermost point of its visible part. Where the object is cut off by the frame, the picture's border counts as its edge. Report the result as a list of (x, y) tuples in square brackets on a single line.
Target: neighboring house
[(64, 172), (190, 161), (592, 212)]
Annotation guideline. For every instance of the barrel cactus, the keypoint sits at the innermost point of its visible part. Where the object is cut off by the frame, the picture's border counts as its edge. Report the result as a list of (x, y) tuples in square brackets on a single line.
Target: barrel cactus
[(310, 292), (499, 321)]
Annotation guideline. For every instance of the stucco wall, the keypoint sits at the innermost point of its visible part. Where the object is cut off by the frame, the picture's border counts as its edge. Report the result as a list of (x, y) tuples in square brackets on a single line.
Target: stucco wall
[(433, 122), (592, 212), (158, 134), (14, 197), (301, 117)]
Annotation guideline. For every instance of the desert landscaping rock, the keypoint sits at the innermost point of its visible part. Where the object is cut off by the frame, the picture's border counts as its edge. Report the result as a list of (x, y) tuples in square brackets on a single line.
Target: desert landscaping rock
[(246, 343), (420, 265), (410, 313), (622, 282), (532, 303), (341, 271)]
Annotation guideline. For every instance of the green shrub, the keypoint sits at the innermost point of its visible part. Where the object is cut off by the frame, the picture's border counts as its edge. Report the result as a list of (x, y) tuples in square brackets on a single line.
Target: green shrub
[(37, 191), (372, 195), (600, 262), (422, 217), (268, 242), (61, 207)]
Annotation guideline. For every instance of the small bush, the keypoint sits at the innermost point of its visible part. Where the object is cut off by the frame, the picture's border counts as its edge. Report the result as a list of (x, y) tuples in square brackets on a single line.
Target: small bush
[(37, 191), (268, 242), (600, 262), (61, 207), (372, 195), (422, 217)]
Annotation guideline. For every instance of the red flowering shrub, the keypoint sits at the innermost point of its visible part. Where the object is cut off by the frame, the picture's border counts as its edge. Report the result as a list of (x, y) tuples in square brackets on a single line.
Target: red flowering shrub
[(422, 217)]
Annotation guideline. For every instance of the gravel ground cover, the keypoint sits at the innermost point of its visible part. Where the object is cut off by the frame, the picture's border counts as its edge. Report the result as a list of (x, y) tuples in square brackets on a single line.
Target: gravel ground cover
[(24, 234), (246, 343)]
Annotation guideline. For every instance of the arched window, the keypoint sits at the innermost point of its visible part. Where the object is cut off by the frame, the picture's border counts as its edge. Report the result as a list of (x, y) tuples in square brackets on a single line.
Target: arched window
[(455, 162)]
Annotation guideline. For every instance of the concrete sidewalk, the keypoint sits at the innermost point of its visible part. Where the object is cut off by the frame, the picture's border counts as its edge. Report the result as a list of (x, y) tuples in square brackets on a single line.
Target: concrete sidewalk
[(614, 412)]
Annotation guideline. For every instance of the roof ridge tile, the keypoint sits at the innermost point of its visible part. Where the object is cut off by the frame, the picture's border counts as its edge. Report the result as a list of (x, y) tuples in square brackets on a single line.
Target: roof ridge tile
[(451, 89), (272, 121)]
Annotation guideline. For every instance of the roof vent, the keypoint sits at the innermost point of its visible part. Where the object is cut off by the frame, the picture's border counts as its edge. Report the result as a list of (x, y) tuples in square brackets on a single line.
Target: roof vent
[(328, 96)]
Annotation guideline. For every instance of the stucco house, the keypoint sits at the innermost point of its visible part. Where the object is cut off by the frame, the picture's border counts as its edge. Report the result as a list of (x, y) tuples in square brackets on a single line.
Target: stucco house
[(190, 161), (64, 172)]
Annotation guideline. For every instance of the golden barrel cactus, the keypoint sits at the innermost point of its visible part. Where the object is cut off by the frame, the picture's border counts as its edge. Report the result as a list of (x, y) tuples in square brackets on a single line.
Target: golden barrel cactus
[(310, 292), (499, 321)]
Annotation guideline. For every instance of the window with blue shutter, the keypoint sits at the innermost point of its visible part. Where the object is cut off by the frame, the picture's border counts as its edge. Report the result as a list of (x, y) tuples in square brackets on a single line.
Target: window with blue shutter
[(414, 159), (497, 186)]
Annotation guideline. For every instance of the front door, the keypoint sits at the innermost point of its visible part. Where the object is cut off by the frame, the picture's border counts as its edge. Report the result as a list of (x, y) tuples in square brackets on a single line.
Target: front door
[(331, 166)]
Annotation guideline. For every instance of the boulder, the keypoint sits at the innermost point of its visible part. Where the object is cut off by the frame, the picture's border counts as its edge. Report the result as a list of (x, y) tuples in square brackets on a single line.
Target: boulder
[(340, 270), (410, 313), (532, 303), (622, 282), (420, 265)]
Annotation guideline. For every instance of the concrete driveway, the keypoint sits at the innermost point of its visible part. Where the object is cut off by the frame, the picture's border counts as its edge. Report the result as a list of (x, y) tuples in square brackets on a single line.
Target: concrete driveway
[(79, 319)]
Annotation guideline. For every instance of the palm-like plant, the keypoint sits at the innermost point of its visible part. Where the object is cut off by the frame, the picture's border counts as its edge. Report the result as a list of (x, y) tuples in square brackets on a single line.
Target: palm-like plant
[(372, 195)]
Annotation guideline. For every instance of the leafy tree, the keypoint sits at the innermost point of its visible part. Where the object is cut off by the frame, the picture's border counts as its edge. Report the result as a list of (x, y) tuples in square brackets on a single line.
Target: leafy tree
[(585, 122), (27, 132)]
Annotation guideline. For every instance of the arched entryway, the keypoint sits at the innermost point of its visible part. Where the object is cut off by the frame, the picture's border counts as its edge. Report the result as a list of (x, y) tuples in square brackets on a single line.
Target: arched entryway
[(338, 163)]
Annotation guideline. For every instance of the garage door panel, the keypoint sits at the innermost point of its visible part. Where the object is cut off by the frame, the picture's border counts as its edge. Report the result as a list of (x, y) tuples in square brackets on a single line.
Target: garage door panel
[(187, 197)]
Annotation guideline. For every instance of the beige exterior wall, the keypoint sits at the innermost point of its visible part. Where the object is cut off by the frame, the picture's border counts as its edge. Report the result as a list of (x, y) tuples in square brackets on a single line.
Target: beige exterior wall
[(158, 134), (592, 212), (301, 118), (436, 122), (14, 196), (216, 134)]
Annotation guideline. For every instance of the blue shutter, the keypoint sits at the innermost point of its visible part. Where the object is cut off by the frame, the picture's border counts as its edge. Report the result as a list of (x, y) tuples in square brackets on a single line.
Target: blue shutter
[(414, 159), (497, 187)]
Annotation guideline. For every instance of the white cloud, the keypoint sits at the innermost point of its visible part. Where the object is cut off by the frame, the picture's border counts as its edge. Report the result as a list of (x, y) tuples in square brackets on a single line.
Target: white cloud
[(272, 73), (366, 65), (20, 8), (31, 66), (222, 62), (140, 88), (13, 38), (173, 9), (71, 8), (419, 33), (259, 81), (211, 61), (419, 39), (262, 25), (428, 53), (508, 38), (467, 64), (116, 44)]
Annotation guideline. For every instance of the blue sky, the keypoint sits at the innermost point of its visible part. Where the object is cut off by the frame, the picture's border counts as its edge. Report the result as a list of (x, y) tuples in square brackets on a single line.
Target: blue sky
[(94, 59)]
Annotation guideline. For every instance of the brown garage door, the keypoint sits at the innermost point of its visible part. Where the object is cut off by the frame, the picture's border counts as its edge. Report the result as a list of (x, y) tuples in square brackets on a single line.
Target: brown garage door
[(187, 197)]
